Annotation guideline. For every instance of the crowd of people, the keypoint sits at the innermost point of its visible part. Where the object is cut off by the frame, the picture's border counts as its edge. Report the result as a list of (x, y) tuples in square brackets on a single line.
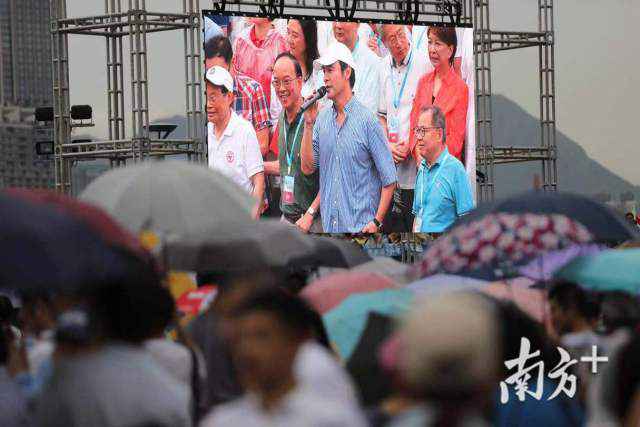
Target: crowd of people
[(383, 151), (104, 344)]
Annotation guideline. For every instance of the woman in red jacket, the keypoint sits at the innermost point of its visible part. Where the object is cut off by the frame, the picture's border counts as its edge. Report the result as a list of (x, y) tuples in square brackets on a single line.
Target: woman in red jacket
[(443, 88)]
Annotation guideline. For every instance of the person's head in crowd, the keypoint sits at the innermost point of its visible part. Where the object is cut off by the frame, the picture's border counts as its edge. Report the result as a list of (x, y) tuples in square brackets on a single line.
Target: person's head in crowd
[(431, 132), (302, 40), (451, 349), (395, 39), (271, 326), (37, 314), (346, 32), (572, 309), (132, 307), (5, 343), (339, 71), (631, 219), (7, 311), (287, 81), (619, 310), (622, 388), (258, 21), (219, 95), (442, 46), (218, 51)]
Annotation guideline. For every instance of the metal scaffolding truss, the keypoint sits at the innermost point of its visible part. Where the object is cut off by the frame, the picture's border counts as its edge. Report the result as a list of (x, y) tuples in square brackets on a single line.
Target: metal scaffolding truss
[(488, 41), (119, 22)]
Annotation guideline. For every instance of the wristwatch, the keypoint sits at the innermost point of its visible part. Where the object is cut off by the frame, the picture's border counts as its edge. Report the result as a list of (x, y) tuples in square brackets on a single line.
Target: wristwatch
[(312, 212), (377, 223)]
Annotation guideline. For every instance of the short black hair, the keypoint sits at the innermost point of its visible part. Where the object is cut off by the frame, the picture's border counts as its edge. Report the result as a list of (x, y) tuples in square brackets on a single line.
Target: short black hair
[(352, 79), (626, 378), (7, 311), (571, 296), (219, 46), (296, 64), (5, 341), (290, 310)]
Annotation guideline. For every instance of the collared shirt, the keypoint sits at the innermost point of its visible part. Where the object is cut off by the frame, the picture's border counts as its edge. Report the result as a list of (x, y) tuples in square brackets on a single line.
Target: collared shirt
[(257, 62), (355, 163), (305, 187), (443, 193), (392, 83), (237, 153), (300, 407), (368, 67), (453, 100), (250, 102)]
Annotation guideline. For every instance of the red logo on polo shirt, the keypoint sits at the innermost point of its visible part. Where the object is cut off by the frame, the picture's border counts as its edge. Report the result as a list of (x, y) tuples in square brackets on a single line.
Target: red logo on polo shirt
[(230, 156)]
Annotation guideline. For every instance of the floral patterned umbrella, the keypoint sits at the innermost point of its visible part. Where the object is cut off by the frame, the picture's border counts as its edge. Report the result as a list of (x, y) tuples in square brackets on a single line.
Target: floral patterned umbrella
[(493, 246)]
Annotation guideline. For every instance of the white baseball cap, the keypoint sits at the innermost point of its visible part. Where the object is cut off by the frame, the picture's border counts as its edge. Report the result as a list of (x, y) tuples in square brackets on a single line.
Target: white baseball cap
[(220, 77), (335, 52)]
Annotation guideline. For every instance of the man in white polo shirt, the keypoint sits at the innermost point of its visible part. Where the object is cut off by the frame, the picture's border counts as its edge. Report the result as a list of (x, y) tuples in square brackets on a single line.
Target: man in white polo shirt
[(233, 147)]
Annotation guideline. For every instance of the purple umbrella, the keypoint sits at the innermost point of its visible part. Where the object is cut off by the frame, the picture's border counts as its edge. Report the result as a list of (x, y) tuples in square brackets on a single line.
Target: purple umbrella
[(542, 268)]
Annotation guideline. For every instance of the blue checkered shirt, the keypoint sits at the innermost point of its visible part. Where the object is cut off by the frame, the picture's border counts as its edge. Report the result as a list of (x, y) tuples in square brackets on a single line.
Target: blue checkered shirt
[(355, 163)]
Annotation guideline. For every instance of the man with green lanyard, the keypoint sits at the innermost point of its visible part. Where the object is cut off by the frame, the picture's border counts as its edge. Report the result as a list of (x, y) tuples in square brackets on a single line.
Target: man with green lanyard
[(443, 192), (300, 199), (402, 71)]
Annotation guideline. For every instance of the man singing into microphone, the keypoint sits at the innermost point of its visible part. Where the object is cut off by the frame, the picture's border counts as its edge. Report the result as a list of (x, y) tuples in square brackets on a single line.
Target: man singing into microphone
[(347, 144)]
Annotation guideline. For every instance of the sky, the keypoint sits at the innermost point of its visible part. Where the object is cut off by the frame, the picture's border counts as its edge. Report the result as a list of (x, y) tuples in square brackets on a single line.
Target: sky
[(597, 72)]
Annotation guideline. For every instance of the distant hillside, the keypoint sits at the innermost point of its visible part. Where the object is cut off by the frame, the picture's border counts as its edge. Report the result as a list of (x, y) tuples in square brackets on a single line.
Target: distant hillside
[(577, 172)]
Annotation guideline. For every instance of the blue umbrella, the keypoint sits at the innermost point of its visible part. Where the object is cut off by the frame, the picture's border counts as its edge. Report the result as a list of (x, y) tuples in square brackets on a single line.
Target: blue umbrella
[(611, 270), (44, 249), (346, 323), (606, 225)]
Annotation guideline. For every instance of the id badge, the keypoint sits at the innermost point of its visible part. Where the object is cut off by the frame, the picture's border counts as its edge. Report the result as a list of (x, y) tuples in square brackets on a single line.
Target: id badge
[(287, 189), (393, 126), (417, 223)]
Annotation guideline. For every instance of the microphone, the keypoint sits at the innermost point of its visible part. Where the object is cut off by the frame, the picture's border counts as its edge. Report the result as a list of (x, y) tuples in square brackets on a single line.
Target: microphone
[(322, 91)]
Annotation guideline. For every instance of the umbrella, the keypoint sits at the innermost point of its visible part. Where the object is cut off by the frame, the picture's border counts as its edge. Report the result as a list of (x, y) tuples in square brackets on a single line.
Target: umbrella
[(171, 197), (240, 247), (490, 247), (543, 267), (334, 252), (519, 291), (327, 292), (442, 283), (45, 249), (196, 301), (347, 321), (610, 270), (363, 364), (391, 268), (606, 225)]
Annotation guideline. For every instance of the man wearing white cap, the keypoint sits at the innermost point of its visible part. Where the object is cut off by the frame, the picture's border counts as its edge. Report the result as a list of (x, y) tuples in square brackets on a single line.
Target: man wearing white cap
[(233, 147), (347, 144)]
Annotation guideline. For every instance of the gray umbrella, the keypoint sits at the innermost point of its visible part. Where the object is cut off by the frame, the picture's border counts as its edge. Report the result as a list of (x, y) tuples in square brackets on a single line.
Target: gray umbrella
[(170, 197), (240, 247)]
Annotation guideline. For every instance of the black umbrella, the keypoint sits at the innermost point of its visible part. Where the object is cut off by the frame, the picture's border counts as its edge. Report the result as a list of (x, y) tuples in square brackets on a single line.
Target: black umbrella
[(44, 249), (372, 383), (606, 225), (335, 252)]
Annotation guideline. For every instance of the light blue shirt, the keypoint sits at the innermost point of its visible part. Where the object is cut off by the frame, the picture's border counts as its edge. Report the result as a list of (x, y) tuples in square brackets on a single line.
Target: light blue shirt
[(442, 194), (368, 69), (355, 163)]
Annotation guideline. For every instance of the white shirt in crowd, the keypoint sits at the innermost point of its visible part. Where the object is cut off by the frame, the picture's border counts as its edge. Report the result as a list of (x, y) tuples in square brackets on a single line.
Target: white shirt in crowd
[(300, 408), (368, 67), (392, 80), (173, 357), (321, 373), (237, 153)]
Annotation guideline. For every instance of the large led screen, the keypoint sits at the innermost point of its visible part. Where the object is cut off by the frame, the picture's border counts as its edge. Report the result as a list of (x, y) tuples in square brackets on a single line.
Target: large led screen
[(390, 146)]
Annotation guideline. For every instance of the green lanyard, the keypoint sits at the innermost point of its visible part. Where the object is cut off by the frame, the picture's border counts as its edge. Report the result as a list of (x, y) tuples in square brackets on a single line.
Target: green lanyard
[(433, 182), (289, 154)]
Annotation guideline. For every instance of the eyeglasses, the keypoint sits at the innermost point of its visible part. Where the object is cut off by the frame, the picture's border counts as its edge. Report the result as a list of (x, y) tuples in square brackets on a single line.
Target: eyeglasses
[(395, 38), (284, 83), (215, 97), (421, 131)]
